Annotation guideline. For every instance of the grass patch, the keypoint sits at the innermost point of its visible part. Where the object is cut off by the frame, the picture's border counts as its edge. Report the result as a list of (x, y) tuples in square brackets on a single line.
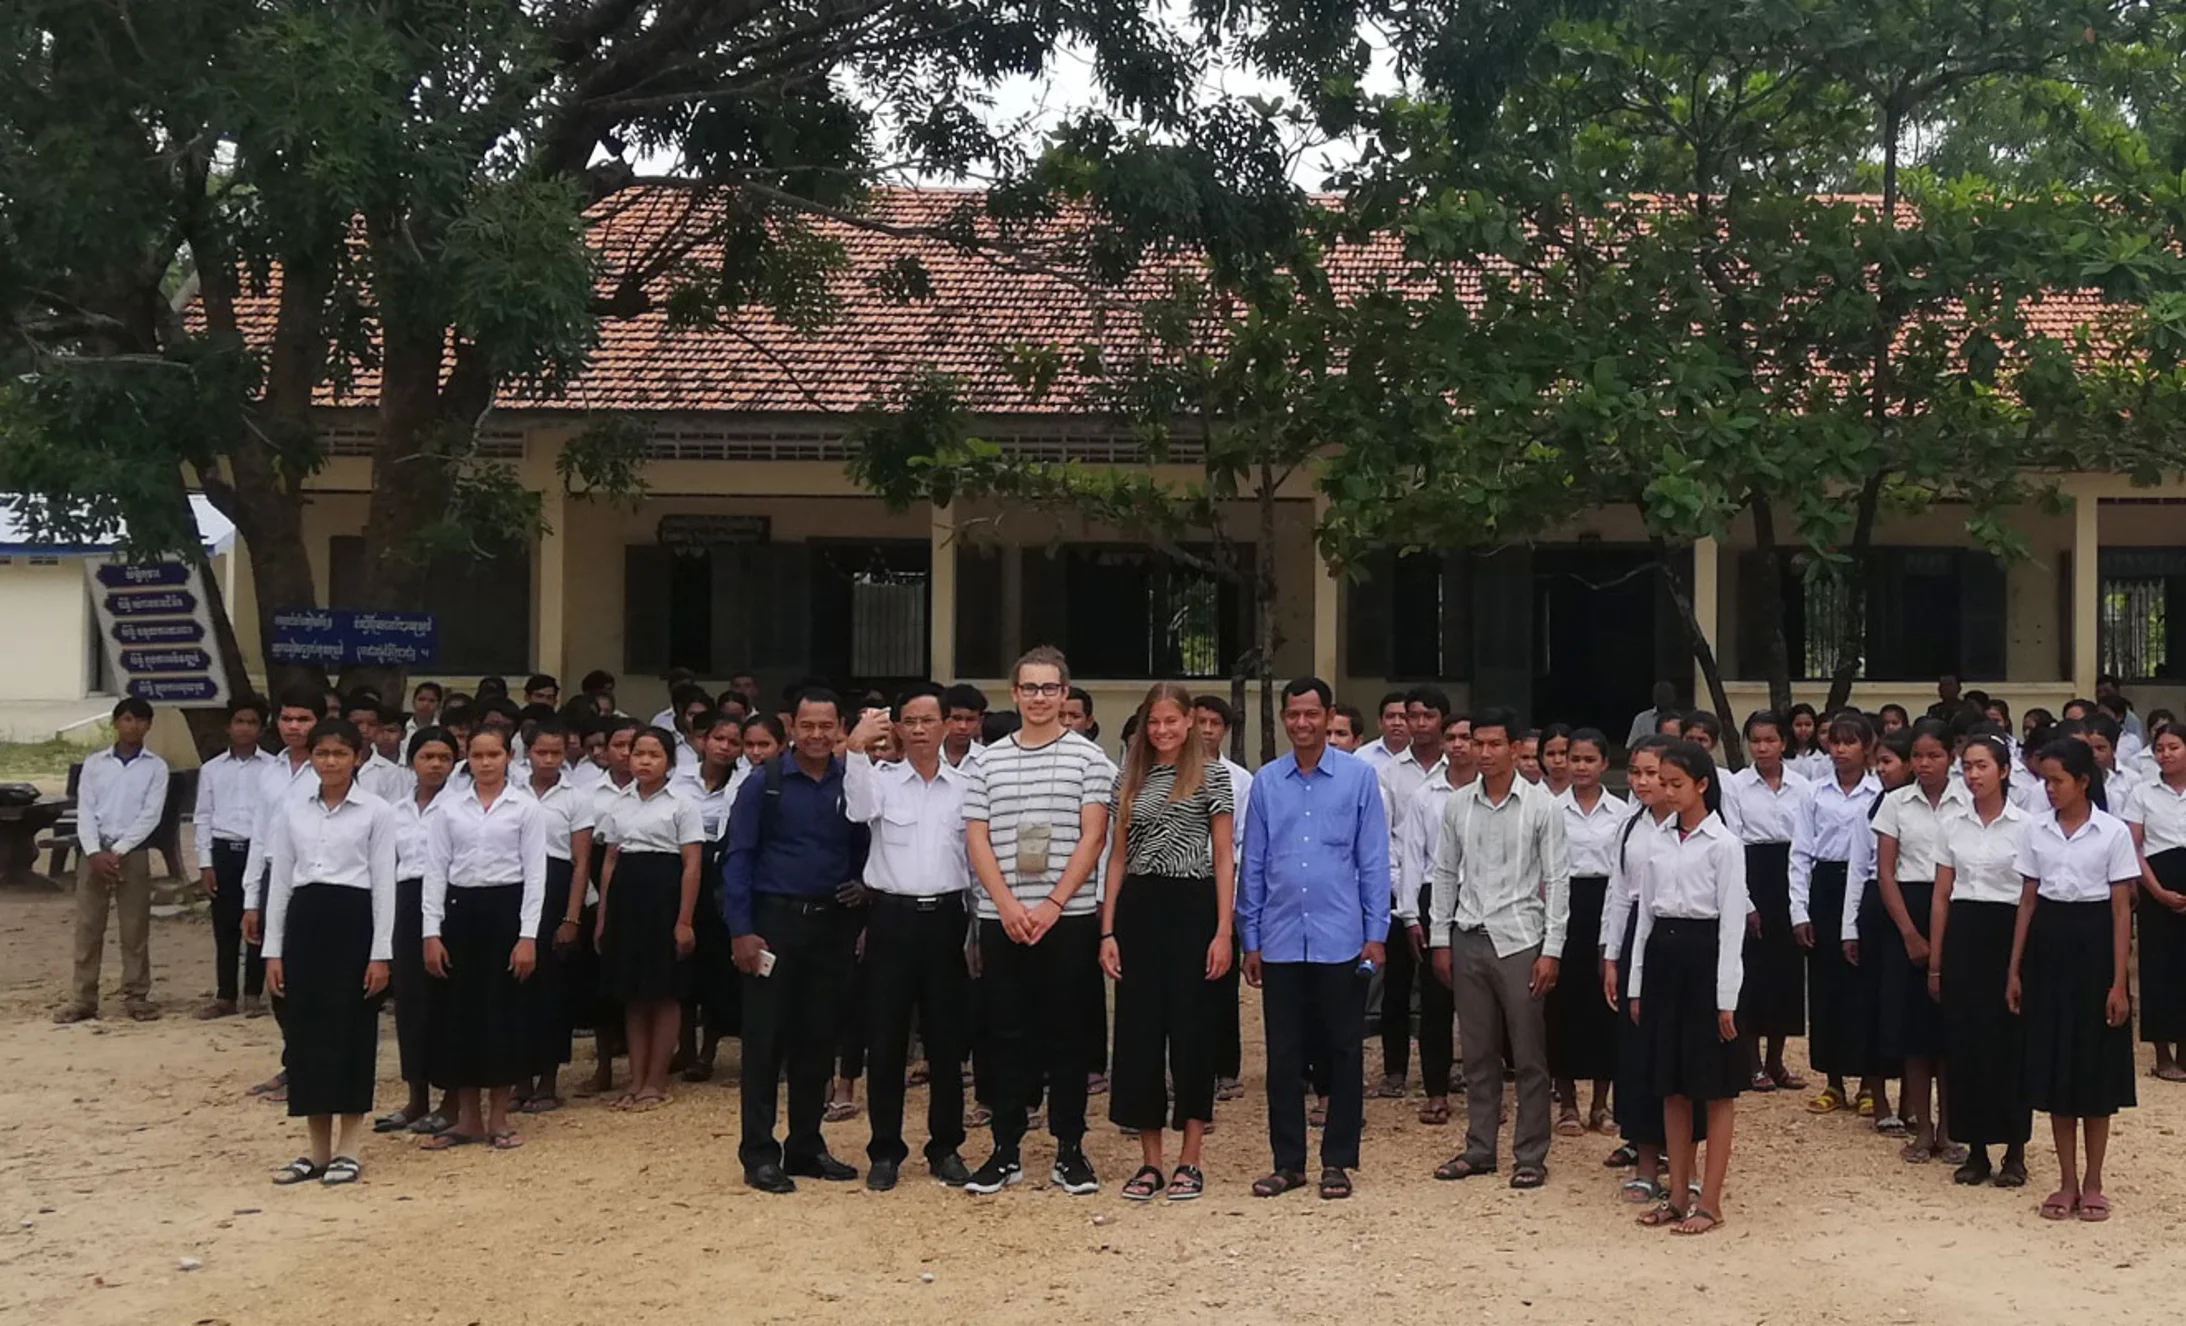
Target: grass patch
[(29, 761)]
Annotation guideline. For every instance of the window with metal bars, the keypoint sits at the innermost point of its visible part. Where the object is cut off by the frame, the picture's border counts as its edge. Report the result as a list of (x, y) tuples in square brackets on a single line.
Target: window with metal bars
[(2133, 630)]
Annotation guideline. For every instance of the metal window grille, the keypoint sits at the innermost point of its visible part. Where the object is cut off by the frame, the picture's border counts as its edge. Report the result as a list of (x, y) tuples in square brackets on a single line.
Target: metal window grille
[(1828, 608), (2132, 628)]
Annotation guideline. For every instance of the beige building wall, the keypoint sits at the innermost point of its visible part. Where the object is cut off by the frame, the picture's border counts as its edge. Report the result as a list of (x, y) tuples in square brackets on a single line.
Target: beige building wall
[(49, 654)]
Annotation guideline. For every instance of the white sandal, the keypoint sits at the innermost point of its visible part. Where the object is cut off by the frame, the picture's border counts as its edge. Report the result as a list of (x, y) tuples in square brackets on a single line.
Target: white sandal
[(341, 1169)]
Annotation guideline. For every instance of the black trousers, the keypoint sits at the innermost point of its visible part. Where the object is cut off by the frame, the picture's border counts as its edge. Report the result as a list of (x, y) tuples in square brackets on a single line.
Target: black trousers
[(1437, 1011), (1316, 1011), (229, 951), (791, 1020), (1165, 1009), (1229, 1050), (1034, 996), (914, 963)]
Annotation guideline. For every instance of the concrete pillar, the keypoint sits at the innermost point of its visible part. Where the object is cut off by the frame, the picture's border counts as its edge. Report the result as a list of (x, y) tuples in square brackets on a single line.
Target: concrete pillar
[(2086, 590), (941, 597), (549, 581), (1707, 606)]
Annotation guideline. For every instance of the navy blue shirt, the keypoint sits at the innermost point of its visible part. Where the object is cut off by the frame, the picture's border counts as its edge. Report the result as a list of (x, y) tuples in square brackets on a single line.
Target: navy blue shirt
[(812, 850)]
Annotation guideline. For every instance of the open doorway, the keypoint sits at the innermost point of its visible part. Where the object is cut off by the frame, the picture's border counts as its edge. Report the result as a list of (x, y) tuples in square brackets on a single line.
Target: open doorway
[(1605, 629)]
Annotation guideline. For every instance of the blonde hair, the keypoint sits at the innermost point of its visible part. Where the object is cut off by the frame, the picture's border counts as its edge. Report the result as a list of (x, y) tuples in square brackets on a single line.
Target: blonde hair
[(1139, 760)]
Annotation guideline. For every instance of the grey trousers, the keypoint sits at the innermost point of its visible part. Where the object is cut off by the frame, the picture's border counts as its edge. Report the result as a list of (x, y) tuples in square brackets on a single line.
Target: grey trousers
[(1492, 1000)]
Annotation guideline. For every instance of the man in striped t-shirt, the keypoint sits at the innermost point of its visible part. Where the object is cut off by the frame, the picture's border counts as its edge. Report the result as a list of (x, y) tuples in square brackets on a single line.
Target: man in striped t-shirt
[(1035, 820)]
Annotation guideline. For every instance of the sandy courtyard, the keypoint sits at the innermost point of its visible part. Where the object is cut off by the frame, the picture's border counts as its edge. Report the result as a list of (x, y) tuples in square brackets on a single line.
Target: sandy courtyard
[(125, 1149)]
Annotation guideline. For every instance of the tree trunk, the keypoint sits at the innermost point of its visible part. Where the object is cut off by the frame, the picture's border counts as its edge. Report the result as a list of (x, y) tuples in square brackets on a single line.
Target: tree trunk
[(1264, 603), (1734, 752), (271, 528), (1776, 653), (1853, 651)]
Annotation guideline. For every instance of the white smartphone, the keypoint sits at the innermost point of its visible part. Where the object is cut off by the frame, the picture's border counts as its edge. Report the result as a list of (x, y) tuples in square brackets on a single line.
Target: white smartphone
[(766, 962)]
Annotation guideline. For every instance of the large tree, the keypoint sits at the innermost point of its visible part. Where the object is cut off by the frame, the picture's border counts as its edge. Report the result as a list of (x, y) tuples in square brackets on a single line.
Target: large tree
[(416, 185)]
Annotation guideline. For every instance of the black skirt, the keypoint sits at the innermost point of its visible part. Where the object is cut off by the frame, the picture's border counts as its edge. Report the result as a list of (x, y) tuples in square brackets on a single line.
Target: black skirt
[(1772, 1002), (2077, 1065), (713, 968), (1908, 1023), (547, 1036), (1876, 932), (2163, 953), (1637, 1107), (411, 986), (638, 958), (480, 1022), (1981, 1035), (1678, 1014), (1836, 1037), (1582, 1028), (332, 1030)]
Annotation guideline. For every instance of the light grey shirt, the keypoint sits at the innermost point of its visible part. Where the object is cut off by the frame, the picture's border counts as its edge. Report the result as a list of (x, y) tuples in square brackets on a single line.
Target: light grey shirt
[(1503, 867)]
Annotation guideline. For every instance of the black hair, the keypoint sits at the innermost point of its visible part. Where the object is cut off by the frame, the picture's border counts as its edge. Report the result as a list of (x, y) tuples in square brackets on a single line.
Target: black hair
[(1851, 725), (2078, 759), (1358, 720), (1532, 734), (1706, 722), (1495, 716), (361, 699), (2085, 706), (818, 695), (732, 696), (964, 695), (599, 679), (502, 707), (254, 703), (134, 707), (679, 677), (459, 715), (2116, 705), (1555, 730), (921, 690), (536, 713), (485, 731), (341, 730), (2103, 725), (1298, 686), (497, 685), (2067, 727), (1653, 741), (301, 697), (1082, 696), (435, 687), (1393, 697), (540, 681), (684, 694), (1931, 727), (1898, 709), (1995, 703), (1587, 736), (425, 736), (662, 735), (1792, 715), (1998, 749), (2039, 716), (769, 722), (1432, 697), (1220, 708), (1767, 718), (1699, 766), (998, 724), (550, 726)]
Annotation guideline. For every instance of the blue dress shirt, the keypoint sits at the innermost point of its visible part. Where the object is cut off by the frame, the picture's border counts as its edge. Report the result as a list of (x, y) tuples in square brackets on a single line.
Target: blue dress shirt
[(814, 850), (1316, 861)]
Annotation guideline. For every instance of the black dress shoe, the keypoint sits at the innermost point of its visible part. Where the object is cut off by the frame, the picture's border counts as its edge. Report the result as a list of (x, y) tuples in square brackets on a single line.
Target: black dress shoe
[(824, 1166), (769, 1178), (881, 1177), (950, 1170)]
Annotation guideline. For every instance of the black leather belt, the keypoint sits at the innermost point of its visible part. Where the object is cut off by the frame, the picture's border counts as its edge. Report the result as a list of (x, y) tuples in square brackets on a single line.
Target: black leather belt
[(919, 903)]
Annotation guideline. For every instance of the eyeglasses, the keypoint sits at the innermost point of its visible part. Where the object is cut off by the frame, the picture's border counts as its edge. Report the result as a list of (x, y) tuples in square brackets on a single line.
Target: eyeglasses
[(1049, 689)]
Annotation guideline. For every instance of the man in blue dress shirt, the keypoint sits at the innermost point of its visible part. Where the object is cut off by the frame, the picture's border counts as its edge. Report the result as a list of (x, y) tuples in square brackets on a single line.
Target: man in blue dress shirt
[(1312, 914)]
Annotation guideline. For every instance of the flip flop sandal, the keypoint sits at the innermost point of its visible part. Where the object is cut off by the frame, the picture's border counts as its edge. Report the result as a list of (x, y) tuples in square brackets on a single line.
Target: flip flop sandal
[(1664, 1213), (508, 1139), (1434, 1116), (643, 1104), (1761, 1082), (1866, 1107), (2174, 1074), (274, 1083), (918, 1076), (1638, 1190), (542, 1104), (1457, 1167), (1142, 1186), (978, 1116), (447, 1141), (1624, 1157), (299, 1170), (1278, 1183), (628, 1100), (1913, 1153), (1827, 1102), (1890, 1125), (1097, 1085), (1186, 1184), (394, 1122), (2057, 1206), (1335, 1185), (1389, 1088), (1715, 1222), (1953, 1153), (1600, 1122), (1788, 1081), (1527, 1177), (341, 1170), (1570, 1126), (839, 1111), (277, 1096), (1317, 1116), (2094, 1207), (698, 1072), (1229, 1088), (432, 1125)]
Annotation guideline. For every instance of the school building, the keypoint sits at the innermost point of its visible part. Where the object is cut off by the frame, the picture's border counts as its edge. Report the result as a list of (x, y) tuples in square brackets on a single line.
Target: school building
[(752, 551)]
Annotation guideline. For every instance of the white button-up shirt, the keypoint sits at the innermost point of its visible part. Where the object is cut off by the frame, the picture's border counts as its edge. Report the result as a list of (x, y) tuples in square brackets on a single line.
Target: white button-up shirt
[(1590, 836), (1240, 795), (384, 778), (567, 810), (228, 790), (666, 821), (1697, 876), (1627, 876), (1984, 858), (1502, 867), (2160, 811), (1419, 833), (2084, 866), (1758, 813), (918, 825), (1906, 815), (715, 803), (469, 845), (350, 844), (1378, 754), (1832, 826), (118, 801), (282, 783), (410, 820)]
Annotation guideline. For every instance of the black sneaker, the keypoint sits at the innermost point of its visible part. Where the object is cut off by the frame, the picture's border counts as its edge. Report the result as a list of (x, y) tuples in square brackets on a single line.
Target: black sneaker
[(998, 1173), (1073, 1173), (950, 1172)]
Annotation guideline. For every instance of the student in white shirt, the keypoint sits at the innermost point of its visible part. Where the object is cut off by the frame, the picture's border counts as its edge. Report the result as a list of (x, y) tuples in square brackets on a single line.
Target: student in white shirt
[(1976, 906), (1638, 1104), (646, 929), (382, 777), (1396, 733), (289, 778), (330, 925), (1761, 805), (2157, 817), (119, 797), (918, 879), (228, 788), (1582, 1030), (1214, 718), (567, 816), (425, 699), (2068, 972), (1831, 844), (485, 887), (1691, 941), (1867, 927), (430, 757), (1411, 866), (711, 785), (617, 732)]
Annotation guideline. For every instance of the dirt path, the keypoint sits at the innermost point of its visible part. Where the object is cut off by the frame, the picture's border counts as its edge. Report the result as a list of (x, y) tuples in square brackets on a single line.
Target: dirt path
[(126, 1148)]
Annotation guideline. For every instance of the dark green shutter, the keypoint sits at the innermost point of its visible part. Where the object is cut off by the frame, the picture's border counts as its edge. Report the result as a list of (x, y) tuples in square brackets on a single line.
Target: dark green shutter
[(1367, 607), (645, 607), (1502, 602), (1982, 609)]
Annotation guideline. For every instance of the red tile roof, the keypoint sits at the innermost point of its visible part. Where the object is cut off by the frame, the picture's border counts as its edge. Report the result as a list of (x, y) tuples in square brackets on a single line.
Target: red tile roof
[(978, 304)]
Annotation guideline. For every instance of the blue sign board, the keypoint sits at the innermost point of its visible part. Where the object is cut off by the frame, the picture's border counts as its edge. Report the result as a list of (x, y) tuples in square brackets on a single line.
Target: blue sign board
[(158, 633), (136, 575), (152, 603), (176, 690), (342, 637), (166, 660), (158, 630)]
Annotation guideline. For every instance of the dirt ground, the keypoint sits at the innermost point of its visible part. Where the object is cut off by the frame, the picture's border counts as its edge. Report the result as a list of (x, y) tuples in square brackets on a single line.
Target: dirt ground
[(125, 1149)]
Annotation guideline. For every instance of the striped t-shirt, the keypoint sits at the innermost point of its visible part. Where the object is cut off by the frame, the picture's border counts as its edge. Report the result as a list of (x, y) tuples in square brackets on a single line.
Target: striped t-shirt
[(1170, 838), (1013, 785)]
